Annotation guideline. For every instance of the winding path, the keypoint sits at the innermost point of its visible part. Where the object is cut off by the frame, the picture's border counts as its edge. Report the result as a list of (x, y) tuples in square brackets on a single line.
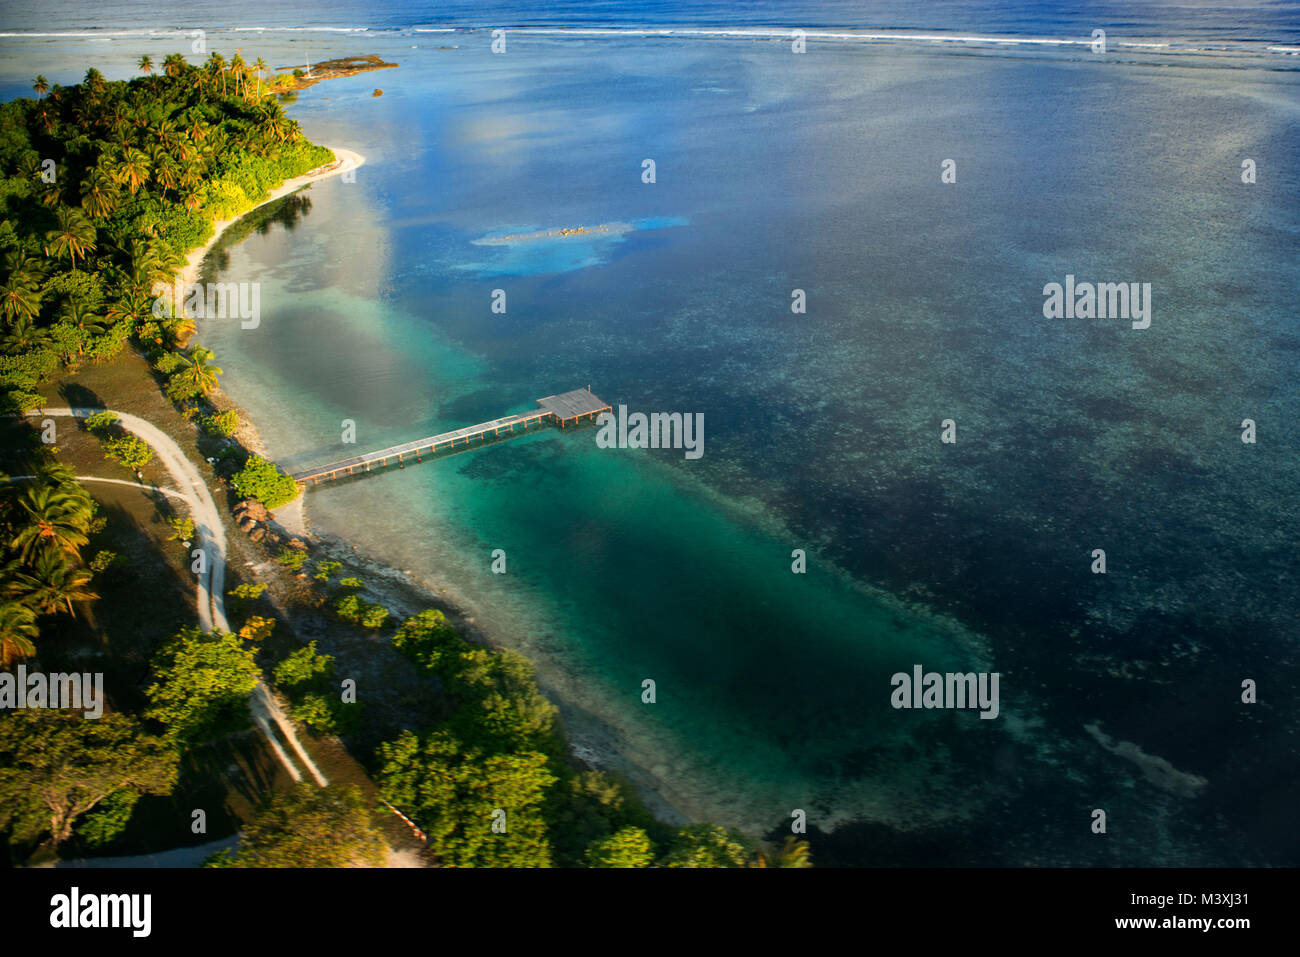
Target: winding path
[(211, 535)]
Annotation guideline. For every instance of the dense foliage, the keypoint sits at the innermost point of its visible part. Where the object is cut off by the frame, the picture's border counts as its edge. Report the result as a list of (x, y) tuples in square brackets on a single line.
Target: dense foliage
[(104, 188), (201, 686), (56, 766), (310, 827), (44, 524)]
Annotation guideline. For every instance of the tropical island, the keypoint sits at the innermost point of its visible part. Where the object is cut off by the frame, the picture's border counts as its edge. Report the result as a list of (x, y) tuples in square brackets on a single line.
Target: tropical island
[(292, 79), (123, 465)]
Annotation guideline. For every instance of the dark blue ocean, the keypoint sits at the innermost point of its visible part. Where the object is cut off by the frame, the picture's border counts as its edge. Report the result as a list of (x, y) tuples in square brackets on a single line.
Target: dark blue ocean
[(820, 172)]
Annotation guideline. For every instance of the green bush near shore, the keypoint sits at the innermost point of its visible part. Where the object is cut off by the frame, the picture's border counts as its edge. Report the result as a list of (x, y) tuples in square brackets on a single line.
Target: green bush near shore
[(264, 481), (356, 610), (223, 424)]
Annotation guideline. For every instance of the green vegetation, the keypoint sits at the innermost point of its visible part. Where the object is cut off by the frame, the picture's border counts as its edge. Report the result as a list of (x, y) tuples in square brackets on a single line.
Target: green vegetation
[(130, 451), (457, 793), (308, 679), (106, 559), (356, 610), (182, 528), (56, 766), (257, 628), (263, 480), (223, 424), (325, 569), (630, 847), (201, 686), (311, 827), (244, 594), (102, 421), (44, 524), (291, 558), (140, 171)]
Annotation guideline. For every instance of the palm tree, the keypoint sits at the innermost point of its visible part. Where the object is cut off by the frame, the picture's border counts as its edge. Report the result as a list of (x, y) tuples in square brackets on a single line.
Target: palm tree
[(53, 515), (20, 297), (173, 64), (40, 85), (217, 67), (23, 336), (86, 322), (134, 307), (145, 64), (260, 66), (237, 67), (795, 853), (166, 133), (178, 327), (133, 169), (100, 195), (17, 629), (51, 584), (196, 372), (74, 236), (94, 83)]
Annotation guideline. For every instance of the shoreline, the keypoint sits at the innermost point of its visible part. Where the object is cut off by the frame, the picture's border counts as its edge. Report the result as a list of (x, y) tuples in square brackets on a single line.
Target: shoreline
[(344, 160), (398, 590)]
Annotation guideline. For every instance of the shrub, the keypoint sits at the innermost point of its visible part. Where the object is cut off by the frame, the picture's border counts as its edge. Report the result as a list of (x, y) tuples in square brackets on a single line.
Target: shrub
[(263, 480), (257, 628), (221, 423), (351, 583), (245, 593), (375, 616), (104, 560), (102, 421), (182, 529), (167, 363), (130, 451), (291, 558), (325, 569), (357, 611)]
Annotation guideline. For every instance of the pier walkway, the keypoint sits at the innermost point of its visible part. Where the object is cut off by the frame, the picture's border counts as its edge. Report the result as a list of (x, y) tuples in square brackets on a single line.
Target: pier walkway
[(565, 409)]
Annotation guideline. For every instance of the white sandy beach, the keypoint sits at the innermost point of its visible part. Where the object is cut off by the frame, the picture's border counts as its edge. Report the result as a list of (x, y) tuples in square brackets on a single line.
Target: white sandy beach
[(344, 160)]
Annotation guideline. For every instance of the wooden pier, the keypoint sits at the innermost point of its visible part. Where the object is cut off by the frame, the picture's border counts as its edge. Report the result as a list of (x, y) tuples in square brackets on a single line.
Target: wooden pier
[(565, 409)]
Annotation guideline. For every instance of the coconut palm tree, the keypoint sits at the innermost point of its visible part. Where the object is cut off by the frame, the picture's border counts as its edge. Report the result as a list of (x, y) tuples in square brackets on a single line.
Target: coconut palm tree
[(795, 853), (217, 67), (23, 336), (134, 307), (99, 194), (133, 169), (173, 64), (40, 86), (17, 629), (260, 66), (145, 64), (87, 323), (197, 372), (178, 327), (74, 236), (51, 584), (51, 515), (238, 68), (20, 297), (94, 84), (166, 171)]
